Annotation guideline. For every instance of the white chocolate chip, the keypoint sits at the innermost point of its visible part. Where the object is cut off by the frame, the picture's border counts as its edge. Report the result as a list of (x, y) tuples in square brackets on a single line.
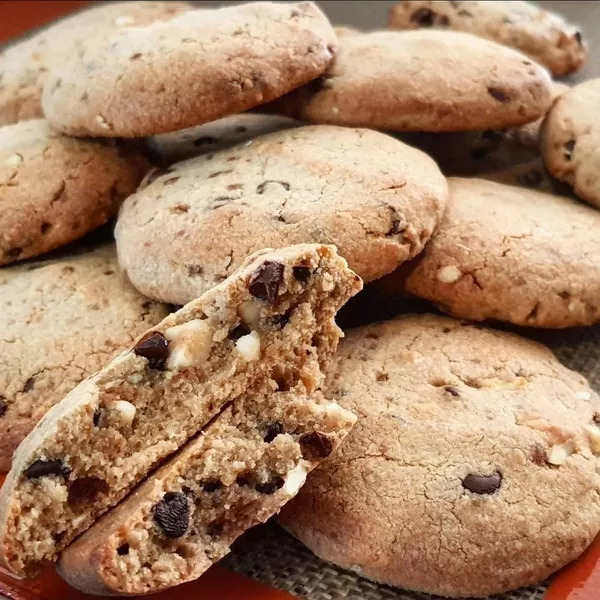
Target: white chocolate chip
[(583, 395), (295, 479), (102, 122), (593, 433), (504, 384), (14, 160), (190, 344), (250, 312), (449, 274), (249, 346), (125, 410), (560, 453), (124, 20)]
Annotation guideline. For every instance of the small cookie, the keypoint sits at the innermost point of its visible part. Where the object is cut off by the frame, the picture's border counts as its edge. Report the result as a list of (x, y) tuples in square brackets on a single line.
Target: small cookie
[(61, 320), (472, 469), (193, 69), (375, 198), (167, 148), (423, 81), (570, 140), (55, 189), (540, 34), (512, 254), (24, 65), (269, 326), (246, 465)]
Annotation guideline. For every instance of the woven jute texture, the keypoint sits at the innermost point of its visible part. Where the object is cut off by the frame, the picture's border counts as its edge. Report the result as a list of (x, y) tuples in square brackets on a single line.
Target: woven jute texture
[(272, 556)]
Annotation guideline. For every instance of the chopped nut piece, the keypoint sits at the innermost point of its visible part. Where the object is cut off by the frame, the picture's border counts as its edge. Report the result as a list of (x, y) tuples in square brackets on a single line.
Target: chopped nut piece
[(295, 478), (560, 453), (125, 410), (190, 344)]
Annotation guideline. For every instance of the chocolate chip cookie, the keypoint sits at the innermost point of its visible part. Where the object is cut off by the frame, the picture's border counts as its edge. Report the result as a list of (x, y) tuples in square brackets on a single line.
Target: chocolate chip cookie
[(54, 189), (475, 451), (246, 465), (376, 199), (270, 324), (569, 140), (423, 81), (24, 65), (192, 69), (61, 319), (511, 254), (540, 34)]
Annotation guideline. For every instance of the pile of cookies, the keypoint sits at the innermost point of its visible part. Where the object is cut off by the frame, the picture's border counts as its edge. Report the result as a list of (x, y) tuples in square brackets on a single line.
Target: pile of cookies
[(173, 265)]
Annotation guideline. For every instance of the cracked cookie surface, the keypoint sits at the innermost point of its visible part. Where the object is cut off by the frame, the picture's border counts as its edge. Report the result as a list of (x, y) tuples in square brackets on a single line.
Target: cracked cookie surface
[(270, 324), (192, 69), (61, 320), (473, 447), (540, 34), (377, 199), (423, 81), (511, 254), (569, 140), (24, 65), (54, 189)]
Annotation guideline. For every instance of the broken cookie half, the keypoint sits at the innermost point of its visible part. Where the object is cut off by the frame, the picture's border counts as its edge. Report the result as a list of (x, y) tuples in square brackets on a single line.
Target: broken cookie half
[(270, 325)]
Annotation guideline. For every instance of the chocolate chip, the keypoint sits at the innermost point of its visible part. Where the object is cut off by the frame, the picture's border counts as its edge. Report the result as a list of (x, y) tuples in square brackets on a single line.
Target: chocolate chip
[(172, 514), (301, 273), (212, 486), (568, 149), (270, 487), (273, 430), (315, 446), (260, 188), (452, 391), (241, 480), (482, 484), (155, 348), (264, 282), (29, 384), (278, 322), (86, 490), (205, 140), (45, 227), (97, 416), (3, 406), (423, 16), (40, 468), (538, 455), (214, 529), (123, 549), (578, 37), (239, 331), (498, 94), (532, 178)]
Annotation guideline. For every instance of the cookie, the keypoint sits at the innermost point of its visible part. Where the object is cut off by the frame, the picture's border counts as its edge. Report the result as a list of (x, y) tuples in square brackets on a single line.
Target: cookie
[(542, 35), (511, 254), (375, 198), (569, 140), (271, 324), (24, 65), (190, 70), (423, 81), (55, 188), (62, 320), (475, 451), (248, 463), (167, 148)]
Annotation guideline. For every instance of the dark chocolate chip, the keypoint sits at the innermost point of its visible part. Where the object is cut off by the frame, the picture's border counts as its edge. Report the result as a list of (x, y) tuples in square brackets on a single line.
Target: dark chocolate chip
[(273, 430), (264, 282), (214, 529), (498, 94), (172, 514), (452, 391), (29, 384), (270, 487), (205, 140), (238, 331), (212, 486), (3, 406), (97, 416), (315, 446), (154, 347), (123, 549), (538, 455), (568, 149), (301, 273), (532, 178), (578, 37), (241, 480), (40, 468), (86, 490), (260, 188), (45, 227), (424, 17), (482, 484)]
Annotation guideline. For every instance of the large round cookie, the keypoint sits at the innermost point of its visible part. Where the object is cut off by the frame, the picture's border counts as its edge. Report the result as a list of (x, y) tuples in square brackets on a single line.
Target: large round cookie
[(570, 140), (423, 81), (372, 196), (61, 320), (54, 189), (540, 34), (512, 254), (472, 469), (24, 65), (195, 68)]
